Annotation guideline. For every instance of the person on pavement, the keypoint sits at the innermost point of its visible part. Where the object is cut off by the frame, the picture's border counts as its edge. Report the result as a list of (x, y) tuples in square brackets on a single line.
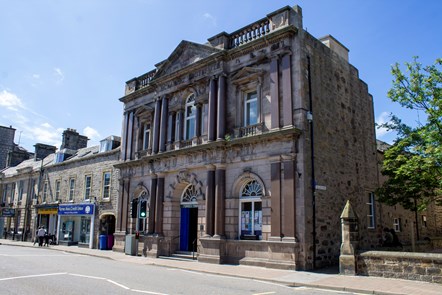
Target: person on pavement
[(41, 234)]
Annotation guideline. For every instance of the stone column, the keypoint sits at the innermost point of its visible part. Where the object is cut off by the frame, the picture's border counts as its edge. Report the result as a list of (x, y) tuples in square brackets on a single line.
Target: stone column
[(156, 126), (212, 110), (221, 130), (198, 120), (152, 204), (288, 199), (220, 192), (137, 130), (119, 220), (210, 200), (170, 130), (159, 205), (123, 136), (275, 216), (130, 132), (163, 128), (287, 104), (125, 205), (179, 126), (274, 93), (350, 241)]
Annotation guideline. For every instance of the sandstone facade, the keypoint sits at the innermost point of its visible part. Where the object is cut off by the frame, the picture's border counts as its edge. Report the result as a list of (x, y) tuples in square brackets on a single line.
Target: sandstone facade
[(248, 147)]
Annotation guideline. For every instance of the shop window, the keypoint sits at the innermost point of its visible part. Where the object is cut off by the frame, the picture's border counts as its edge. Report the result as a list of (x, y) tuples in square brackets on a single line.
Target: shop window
[(397, 224), (106, 185), (190, 117), (71, 189), (45, 191), (87, 187), (57, 190), (371, 211), (251, 109), (21, 184), (251, 211)]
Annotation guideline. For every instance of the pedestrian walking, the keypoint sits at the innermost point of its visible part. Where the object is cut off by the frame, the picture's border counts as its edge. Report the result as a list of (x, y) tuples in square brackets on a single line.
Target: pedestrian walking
[(41, 234)]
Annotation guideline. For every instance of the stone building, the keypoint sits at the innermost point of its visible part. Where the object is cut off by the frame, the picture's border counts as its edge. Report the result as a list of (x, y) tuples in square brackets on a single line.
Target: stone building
[(18, 190), (6, 143), (246, 148), (408, 225), (11, 154), (72, 193)]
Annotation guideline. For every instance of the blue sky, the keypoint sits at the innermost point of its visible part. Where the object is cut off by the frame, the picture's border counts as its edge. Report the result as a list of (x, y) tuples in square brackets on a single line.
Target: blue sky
[(64, 64)]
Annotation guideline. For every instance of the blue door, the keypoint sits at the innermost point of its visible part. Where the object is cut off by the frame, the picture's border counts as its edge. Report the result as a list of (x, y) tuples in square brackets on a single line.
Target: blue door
[(184, 229)]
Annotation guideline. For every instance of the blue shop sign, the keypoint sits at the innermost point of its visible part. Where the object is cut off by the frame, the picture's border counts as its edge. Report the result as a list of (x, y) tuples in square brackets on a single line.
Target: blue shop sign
[(7, 212), (76, 209)]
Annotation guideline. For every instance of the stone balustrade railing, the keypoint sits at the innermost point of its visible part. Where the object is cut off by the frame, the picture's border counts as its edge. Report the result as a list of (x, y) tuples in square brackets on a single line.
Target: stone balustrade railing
[(250, 33)]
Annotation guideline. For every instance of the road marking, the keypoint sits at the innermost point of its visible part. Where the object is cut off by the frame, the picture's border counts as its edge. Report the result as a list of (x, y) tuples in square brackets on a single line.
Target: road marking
[(147, 292), (117, 284), (34, 276), (83, 276), (264, 293)]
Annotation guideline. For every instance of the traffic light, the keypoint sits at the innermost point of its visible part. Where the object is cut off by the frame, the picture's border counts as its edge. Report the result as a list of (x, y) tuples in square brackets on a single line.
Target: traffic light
[(134, 208), (143, 209)]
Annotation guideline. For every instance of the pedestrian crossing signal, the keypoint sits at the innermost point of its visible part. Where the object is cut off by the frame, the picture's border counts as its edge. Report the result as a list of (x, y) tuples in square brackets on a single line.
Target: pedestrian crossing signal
[(143, 209)]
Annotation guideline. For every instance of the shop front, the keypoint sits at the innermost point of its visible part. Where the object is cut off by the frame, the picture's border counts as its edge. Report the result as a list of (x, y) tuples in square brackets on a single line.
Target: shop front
[(47, 217), (76, 224)]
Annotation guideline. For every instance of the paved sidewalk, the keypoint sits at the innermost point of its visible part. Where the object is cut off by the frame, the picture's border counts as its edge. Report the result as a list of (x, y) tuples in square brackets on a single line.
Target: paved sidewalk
[(359, 284)]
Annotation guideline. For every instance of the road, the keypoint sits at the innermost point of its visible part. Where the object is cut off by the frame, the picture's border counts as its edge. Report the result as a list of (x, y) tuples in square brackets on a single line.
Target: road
[(43, 271)]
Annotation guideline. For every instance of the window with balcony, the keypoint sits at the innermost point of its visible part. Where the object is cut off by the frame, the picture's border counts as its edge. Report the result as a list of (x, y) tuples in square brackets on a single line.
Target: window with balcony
[(87, 187), (250, 109), (146, 136), (190, 119), (106, 185)]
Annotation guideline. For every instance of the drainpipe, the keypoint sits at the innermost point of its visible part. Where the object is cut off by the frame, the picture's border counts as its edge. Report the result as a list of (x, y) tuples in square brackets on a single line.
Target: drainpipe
[(312, 158)]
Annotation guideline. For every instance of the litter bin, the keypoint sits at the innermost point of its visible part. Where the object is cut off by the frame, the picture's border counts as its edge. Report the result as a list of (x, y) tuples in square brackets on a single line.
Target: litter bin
[(110, 242), (103, 242)]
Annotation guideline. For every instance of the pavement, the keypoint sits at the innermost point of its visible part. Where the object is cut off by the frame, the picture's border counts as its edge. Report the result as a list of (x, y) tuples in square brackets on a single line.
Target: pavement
[(321, 280)]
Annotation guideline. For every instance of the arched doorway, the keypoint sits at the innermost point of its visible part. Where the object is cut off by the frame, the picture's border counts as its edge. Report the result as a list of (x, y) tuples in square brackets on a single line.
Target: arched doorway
[(189, 219), (107, 228)]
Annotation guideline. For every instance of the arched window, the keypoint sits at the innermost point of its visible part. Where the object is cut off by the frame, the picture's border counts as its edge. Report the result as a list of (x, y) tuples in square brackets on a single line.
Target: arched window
[(189, 198), (251, 210), (190, 117)]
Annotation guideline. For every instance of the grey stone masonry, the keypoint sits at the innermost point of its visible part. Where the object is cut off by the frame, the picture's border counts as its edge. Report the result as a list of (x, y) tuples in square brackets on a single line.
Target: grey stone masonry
[(6, 143)]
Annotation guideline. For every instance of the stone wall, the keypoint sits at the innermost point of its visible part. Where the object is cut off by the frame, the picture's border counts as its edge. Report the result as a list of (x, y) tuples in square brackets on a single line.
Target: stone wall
[(6, 144), (402, 265)]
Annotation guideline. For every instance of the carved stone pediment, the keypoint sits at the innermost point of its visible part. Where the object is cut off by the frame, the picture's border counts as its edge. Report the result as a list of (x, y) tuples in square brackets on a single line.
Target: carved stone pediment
[(185, 54), (247, 74)]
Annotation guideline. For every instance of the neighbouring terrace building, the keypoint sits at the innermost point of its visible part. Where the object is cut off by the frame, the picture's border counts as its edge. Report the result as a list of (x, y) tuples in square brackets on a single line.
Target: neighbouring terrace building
[(71, 192), (246, 148)]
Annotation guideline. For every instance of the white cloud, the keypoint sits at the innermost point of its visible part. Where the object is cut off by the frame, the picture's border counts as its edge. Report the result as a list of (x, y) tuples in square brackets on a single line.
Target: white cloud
[(384, 117), (59, 75), (91, 133), (10, 101), (36, 76), (210, 17)]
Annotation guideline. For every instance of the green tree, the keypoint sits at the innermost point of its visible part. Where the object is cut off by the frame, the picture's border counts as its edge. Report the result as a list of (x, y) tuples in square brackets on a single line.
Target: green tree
[(413, 163)]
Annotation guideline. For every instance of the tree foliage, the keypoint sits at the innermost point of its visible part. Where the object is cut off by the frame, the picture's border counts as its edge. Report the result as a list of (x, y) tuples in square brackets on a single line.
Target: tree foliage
[(413, 163)]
